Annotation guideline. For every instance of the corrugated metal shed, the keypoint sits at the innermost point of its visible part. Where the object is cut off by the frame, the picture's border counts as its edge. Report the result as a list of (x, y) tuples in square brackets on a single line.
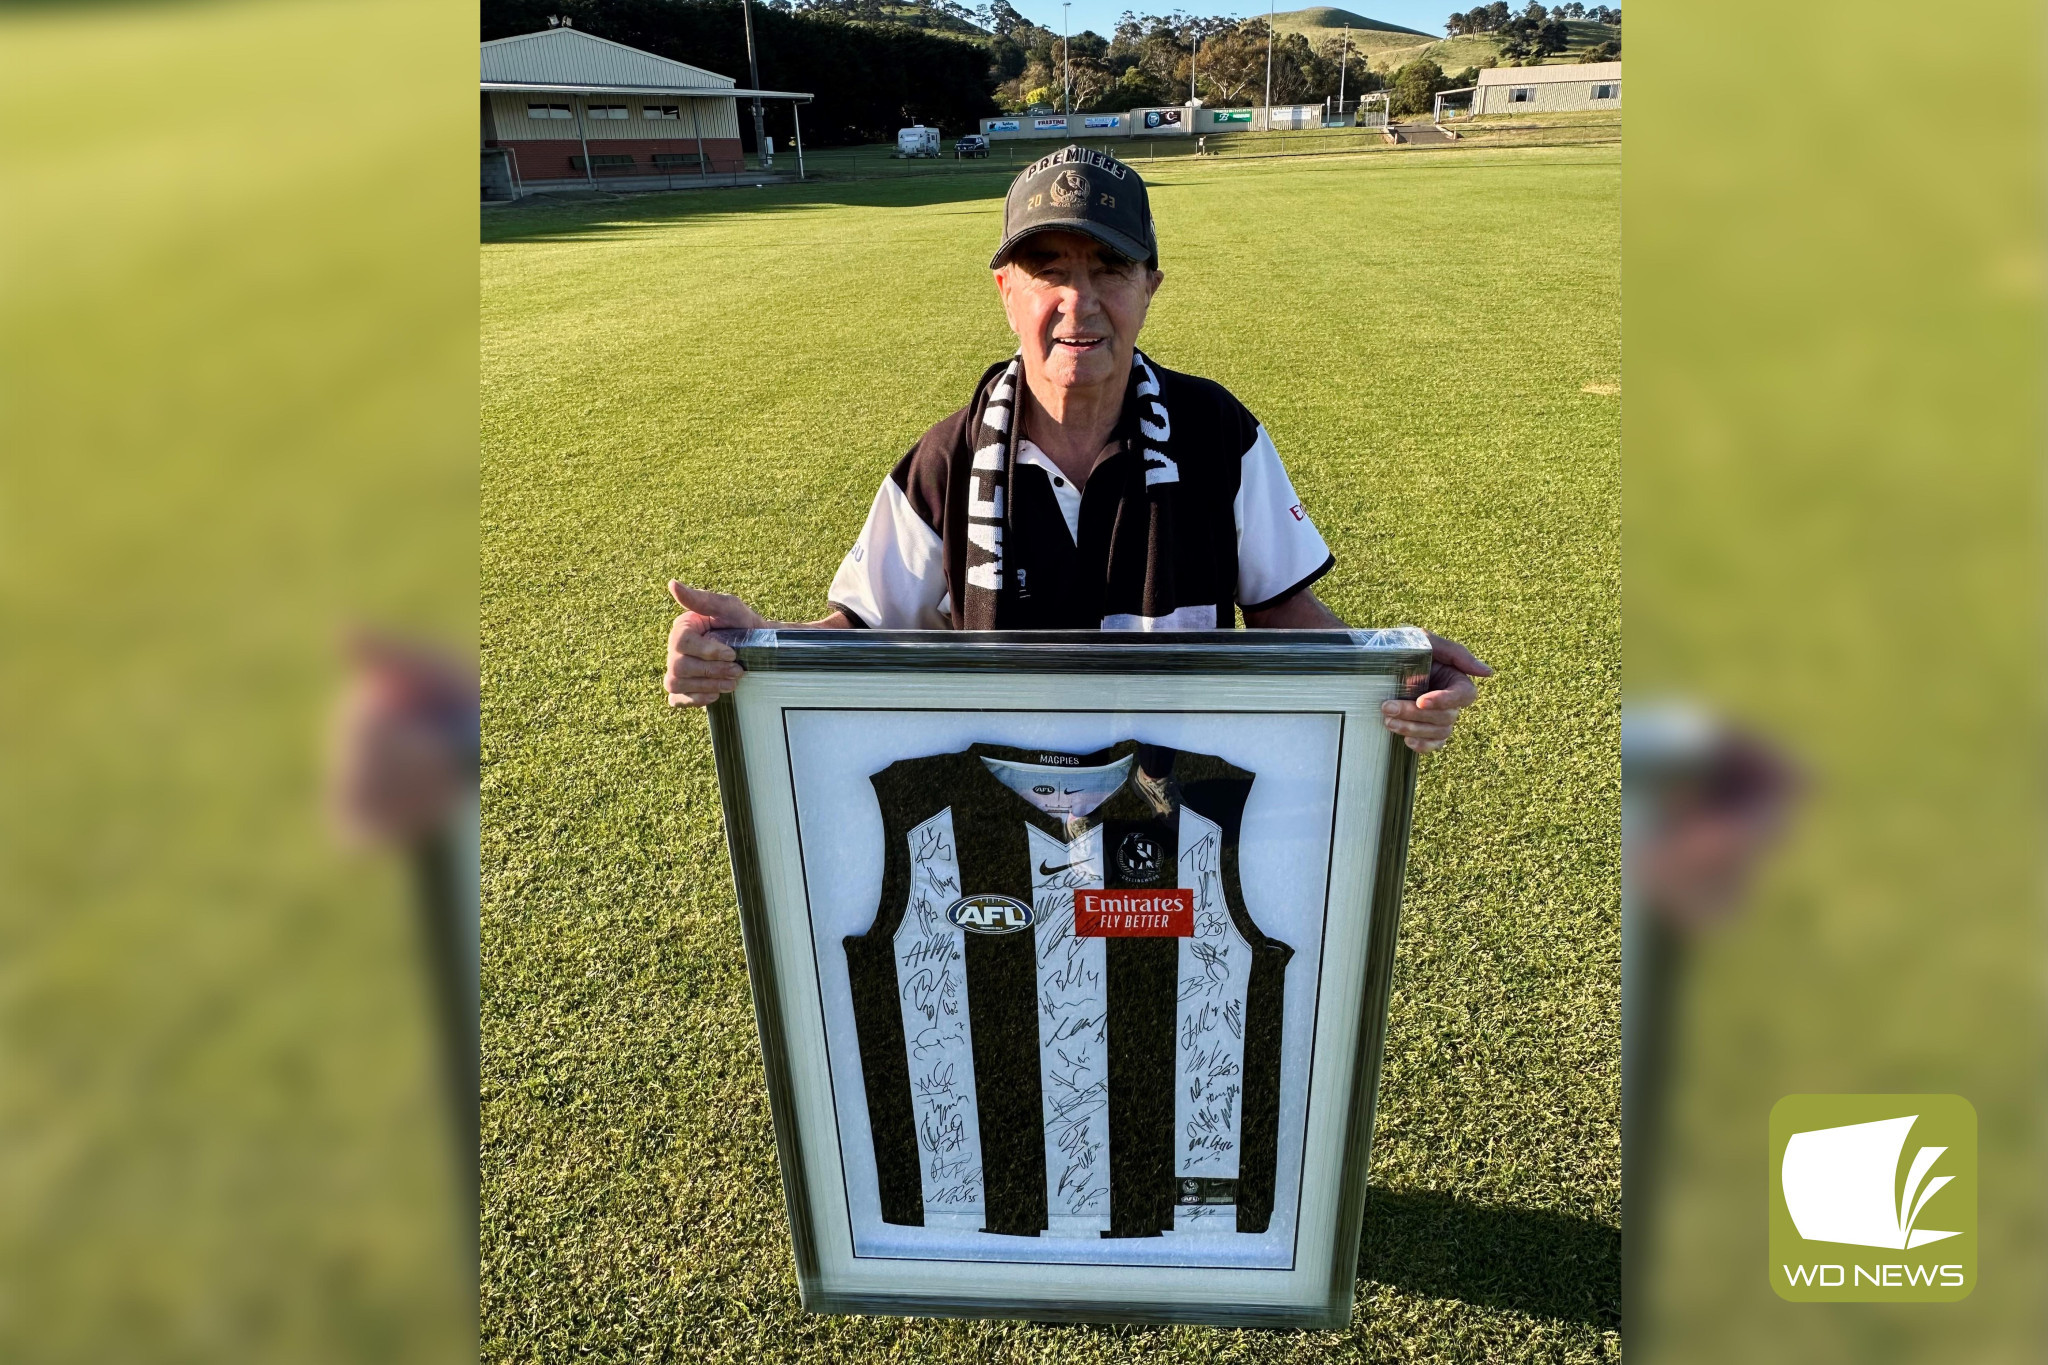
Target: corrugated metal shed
[(1543, 75), (569, 57)]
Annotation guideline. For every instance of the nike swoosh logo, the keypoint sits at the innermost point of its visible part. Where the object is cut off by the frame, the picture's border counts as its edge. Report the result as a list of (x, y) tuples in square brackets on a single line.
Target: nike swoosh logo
[(1045, 871)]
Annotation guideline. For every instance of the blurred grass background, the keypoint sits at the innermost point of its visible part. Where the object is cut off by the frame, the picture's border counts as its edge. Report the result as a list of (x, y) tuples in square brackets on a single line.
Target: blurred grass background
[(239, 391), (239, 384), (712, 386), (1833, 445)]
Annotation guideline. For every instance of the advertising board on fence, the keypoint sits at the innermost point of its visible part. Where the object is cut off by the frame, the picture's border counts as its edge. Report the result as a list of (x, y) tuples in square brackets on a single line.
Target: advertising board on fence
[(999, 125), (1103, 121), (1160, 120), (1044, 123), (1230, 116)]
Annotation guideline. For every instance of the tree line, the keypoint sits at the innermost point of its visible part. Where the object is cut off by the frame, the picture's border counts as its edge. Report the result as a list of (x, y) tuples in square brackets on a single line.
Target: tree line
[(1497, 18), (1536, 32), (1156, 59)]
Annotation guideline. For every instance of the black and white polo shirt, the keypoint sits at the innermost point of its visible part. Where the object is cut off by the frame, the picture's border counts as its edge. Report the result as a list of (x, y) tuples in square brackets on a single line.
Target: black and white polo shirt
[(1132, 551)]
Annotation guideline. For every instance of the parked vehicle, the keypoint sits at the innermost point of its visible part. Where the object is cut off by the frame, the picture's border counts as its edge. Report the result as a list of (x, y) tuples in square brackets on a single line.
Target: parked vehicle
[(974, 144), (917, 140)]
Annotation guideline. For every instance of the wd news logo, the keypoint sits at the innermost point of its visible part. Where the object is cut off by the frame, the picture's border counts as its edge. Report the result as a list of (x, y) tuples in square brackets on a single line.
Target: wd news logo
[(1873, 1198)]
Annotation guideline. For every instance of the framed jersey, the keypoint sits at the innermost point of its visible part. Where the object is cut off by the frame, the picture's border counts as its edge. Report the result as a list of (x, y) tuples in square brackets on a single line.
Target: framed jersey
[(1071, 956)]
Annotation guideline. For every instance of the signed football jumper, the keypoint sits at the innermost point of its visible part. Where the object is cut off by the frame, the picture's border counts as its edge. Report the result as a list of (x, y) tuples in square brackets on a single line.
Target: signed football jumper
[(1069, 1024)]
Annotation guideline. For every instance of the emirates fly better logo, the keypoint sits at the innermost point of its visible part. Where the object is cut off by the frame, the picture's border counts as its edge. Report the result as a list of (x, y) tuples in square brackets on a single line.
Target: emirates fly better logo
[(1873, 1198)]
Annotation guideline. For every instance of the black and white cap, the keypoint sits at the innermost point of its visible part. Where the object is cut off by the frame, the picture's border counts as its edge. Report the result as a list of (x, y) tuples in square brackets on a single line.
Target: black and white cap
[(1077, 190)]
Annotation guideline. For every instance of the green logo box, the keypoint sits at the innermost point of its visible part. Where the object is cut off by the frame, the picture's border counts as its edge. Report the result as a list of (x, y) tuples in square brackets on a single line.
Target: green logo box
[(1873, 1198)]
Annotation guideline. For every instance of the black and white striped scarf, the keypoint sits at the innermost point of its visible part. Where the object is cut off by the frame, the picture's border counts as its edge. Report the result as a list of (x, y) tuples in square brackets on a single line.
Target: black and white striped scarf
[(993, 419)]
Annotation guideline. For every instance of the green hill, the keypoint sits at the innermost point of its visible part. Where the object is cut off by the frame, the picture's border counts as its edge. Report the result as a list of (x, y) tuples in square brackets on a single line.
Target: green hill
[(1389, 45), (895, 14), (933, 21), (1483, 49), (1323, 17)]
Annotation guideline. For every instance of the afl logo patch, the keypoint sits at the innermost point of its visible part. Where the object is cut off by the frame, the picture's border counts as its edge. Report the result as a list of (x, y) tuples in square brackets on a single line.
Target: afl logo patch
[(989, 914), (1069, 188), (1138, 857)]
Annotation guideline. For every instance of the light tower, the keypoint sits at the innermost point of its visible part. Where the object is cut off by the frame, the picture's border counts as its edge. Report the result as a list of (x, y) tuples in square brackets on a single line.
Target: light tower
[(1343, 62), (754, 75), (1067, 61), (1269, 61)]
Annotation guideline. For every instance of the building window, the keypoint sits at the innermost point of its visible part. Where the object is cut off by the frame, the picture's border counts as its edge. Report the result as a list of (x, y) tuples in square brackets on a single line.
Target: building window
[(663, 111), (607, 111), (1606, 92), (545, 111), (1521, 94)]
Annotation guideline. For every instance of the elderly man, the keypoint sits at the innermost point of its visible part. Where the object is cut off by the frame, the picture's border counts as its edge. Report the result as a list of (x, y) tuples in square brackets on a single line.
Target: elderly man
[(1085, 486)]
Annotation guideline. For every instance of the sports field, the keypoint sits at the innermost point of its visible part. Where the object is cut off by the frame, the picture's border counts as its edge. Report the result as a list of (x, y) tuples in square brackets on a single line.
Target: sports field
[(710, 386)]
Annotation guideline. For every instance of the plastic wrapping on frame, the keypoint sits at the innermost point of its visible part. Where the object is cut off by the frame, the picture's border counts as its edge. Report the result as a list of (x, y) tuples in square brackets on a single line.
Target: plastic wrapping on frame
[(1398, 649)]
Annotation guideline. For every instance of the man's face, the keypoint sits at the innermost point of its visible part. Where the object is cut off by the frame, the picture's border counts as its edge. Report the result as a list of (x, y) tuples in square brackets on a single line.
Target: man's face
[(1076, 307)]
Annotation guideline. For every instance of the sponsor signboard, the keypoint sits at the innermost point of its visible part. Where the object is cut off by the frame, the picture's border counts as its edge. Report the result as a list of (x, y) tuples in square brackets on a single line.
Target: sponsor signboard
[(999, 125), (1163, 118), (1042, 123), (1102, 121), (1230, 116)]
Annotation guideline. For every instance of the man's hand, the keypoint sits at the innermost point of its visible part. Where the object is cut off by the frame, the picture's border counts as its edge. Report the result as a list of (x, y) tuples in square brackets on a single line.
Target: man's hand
[(1426, 722), (405, 739), (1714, 799), (700, 669)]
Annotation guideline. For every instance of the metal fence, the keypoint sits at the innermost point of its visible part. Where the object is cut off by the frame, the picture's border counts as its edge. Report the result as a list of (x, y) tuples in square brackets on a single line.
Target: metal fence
[(868, 163), (879, 162)]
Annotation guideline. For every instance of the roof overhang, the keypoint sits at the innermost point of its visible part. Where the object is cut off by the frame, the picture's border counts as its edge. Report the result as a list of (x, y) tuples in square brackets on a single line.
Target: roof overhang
[(1545, 75), (695, 92)]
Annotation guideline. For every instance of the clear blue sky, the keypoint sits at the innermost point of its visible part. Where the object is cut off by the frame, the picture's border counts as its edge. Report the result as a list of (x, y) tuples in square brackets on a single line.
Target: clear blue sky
[(1101, 15)]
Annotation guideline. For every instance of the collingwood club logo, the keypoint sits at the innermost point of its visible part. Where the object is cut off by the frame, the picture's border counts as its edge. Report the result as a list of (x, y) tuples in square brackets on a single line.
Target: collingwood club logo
[(1138, 857), (1895, 1182), (1069, 188), (989, 914)]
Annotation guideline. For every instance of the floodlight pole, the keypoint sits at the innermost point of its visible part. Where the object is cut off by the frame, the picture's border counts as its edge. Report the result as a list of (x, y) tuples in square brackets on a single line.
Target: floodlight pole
[(1343, 61), (697, 131), (1269, 64), (584, 138), (1194, 56), (1067, 60), (761, 152)]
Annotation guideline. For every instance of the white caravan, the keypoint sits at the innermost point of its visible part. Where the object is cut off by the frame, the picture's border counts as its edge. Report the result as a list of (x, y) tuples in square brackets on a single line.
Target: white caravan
[(917, 140)]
